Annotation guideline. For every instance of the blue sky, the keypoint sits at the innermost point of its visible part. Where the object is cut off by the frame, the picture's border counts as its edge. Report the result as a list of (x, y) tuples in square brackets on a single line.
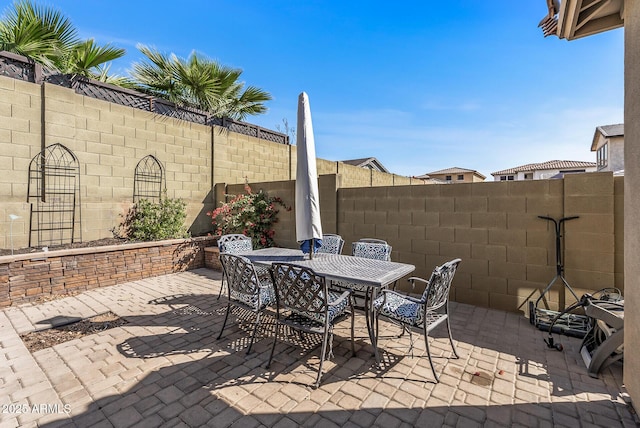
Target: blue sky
[(420, 85)]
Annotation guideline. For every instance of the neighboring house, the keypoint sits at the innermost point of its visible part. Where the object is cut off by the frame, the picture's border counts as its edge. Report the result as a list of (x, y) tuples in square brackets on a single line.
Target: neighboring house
[(428, 180), (369, 163), (608, 143), (543, 170), (453, 175)]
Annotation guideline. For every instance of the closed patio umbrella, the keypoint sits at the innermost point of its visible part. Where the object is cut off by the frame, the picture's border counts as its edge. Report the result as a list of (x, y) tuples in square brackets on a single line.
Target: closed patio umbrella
[(308, 225)]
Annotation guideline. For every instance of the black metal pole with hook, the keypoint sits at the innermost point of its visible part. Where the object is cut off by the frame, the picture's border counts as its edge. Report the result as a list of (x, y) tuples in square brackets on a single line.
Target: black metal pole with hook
[(558, 229)]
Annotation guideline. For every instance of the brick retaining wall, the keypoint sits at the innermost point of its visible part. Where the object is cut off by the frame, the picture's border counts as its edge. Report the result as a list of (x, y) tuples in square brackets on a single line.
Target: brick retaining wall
[(212, 258), (27, 277)]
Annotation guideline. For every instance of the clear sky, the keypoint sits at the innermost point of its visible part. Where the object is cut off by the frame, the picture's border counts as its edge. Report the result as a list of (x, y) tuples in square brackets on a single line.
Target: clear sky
[(420, 85)]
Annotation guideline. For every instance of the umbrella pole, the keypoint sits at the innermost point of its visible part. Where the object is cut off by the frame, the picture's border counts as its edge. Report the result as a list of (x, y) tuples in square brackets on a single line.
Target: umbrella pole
[(311, 250)]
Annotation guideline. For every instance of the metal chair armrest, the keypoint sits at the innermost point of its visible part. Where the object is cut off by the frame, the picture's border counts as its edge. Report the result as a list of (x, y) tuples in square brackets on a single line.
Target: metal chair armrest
[(403, 295), (339, 300), (413, 280)]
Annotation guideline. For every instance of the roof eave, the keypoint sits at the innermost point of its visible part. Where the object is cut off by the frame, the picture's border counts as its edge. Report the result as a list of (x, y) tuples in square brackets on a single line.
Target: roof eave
[(594, 144), (581, 18)]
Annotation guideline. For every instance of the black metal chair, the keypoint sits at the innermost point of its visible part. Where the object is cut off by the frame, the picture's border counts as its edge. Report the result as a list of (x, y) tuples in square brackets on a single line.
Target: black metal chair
[(233, 243), (425, 313), (236, 243), (331, 244), (371, 249), (246, 289), (304, 303)]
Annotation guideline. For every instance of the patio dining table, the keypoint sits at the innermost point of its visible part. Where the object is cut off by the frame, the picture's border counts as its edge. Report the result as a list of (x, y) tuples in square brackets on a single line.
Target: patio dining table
[(374, 274)]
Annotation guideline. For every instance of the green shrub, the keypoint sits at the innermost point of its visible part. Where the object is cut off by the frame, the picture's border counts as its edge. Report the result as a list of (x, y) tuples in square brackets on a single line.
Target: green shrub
[(150, 221)]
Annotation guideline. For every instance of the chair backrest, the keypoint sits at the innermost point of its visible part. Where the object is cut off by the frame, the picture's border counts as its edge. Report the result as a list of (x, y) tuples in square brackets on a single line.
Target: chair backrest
[(300, 290), (331, 244), (371, 250), (373, 240), (241, 275), (234, 243), (436, 294)]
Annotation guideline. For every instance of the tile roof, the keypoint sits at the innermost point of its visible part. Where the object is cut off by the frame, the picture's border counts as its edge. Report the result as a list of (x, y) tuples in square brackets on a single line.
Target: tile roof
[(366, 161), (453, 170), (427, 179), (356, 162), (552, 164)]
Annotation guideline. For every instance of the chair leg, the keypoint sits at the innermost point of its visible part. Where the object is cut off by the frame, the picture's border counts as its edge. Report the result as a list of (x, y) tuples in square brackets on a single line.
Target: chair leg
[(451, 339), (221, 288), (433, 368), (226, 316), (353, 326), (367, 315), (324, 350), (273, 347), (255, 330)]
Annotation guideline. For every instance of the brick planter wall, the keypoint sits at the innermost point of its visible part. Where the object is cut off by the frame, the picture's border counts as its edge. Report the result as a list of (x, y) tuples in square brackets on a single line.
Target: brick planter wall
[(212, 258), (27, 277)]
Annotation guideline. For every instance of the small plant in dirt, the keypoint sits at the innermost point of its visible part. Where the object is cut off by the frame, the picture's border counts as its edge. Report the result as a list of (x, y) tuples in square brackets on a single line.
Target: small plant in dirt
[(252, 214), (153, 221)]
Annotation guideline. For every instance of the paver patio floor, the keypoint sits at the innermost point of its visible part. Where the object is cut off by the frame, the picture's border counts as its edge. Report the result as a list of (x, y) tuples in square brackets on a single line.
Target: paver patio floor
[(166, 368)]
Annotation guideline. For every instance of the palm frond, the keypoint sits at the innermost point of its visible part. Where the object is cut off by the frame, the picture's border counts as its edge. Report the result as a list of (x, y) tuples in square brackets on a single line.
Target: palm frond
[(41, 33), (85, 57)]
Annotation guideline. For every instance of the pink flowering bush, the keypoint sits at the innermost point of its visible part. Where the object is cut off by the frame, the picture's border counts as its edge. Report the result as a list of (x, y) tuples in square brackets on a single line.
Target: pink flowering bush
[(252, 214)]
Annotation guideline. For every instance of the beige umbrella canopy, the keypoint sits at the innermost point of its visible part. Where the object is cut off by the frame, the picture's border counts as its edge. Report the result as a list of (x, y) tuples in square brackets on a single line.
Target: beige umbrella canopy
[(308, 225)]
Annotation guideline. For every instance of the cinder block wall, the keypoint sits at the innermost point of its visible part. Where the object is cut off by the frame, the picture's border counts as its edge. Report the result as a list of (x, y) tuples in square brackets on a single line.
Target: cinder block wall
[(508, 252), (239, 157), (20, 141), (109, 139)]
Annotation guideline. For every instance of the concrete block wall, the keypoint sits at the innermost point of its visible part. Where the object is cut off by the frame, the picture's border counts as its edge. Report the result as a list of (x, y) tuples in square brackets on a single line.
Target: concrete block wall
[(327, 167), (20, 141), (592, 237), (239, 157), (108, 140), (508, 252), (353, 176)]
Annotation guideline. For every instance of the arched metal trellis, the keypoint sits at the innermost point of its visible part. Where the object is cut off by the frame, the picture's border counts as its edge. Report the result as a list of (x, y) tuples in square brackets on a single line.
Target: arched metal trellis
[(148, 180), (54, 194)]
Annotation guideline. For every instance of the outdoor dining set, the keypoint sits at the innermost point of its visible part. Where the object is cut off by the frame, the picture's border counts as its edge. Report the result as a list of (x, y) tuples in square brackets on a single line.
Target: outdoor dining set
[(315, 287), (312, 292)]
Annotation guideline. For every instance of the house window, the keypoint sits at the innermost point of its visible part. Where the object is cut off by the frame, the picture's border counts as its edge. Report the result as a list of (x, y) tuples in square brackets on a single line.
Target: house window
[(460, 176), (506, 177), (448, 178), (603, 156), (528, 176)]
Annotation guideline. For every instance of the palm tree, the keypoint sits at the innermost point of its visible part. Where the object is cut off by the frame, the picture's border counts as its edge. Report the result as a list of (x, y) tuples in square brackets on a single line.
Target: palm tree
[(198, 82), (157, 77), (103, 74), (85, 59), (49, 38), (40, 33)]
